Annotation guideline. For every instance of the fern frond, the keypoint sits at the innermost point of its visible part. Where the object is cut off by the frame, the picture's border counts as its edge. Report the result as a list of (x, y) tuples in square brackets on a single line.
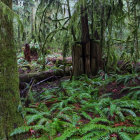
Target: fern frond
[(64, 117), (137, 137), (96, 135), (85, 95), (129, 112), (31, 110), (42, 121), (132, 130), (113, 108), (125, 89), (91, 126), (89, 135), (25, 129), (86, 115), (32, 118), (134, 88), (102, 136), (120, 114), (40, 138), (67, 133), (124, 136), (20, 130), (66, 109)]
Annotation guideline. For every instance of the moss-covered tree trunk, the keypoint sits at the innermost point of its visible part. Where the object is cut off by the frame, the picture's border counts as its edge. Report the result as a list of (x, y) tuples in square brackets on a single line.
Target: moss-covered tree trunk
[(10, 118)]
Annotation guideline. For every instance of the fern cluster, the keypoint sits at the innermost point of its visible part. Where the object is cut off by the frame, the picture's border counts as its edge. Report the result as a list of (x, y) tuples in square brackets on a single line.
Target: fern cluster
[(77, 110)]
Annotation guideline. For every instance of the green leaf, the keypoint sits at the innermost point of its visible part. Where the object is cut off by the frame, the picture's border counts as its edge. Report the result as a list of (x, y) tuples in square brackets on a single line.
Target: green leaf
[(124, 136), (137, 137)]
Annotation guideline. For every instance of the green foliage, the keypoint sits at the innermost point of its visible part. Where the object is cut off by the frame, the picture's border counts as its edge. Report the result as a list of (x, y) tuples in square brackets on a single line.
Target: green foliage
[(137, 137), (24, 129), (6, 11), (126, 78), (124, 136), (76, 110), (134, 92)]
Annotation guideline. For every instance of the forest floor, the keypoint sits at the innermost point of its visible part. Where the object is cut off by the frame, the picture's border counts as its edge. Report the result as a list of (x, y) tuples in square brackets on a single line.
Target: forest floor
[(64, 109)]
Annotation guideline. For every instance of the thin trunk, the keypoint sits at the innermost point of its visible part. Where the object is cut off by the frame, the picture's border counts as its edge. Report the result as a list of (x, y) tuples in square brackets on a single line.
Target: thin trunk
[(102, 27), (136, 44), (72, 29), (92, 20), (108, 44), (19, 41), (19, 36), (32, 23)]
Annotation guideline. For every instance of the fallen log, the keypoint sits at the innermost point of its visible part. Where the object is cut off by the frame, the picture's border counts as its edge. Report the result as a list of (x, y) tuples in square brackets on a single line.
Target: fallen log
[(42, 75), (59, 61)]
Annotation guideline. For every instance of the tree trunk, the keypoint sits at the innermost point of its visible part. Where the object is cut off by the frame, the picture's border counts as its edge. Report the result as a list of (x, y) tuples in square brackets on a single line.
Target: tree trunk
[(10, 118), (96, 54), (77, 62), (85, 39), (87, 55), (102, 21), (42, 75)]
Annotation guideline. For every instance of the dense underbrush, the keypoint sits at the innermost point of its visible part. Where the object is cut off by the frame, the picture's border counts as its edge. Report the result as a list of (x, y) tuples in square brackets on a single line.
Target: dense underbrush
[(103, 108)]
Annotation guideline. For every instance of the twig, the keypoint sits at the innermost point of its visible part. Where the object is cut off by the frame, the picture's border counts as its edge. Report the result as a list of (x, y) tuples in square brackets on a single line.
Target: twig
[(44, 80)]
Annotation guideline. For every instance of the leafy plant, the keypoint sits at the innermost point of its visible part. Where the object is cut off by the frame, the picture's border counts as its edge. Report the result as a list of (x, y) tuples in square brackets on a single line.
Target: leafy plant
[(76, 110)]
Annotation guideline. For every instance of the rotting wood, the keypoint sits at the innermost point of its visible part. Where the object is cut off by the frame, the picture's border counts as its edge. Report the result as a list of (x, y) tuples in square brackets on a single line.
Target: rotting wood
[(42, 75)]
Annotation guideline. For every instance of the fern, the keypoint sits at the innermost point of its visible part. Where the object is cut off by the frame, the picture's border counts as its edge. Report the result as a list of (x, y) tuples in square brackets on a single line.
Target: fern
[(69, 115), (134, 92), (42, 121), (89, 135), (103, 136), (64, 117), (31, 111), (124, 136), (91, 126), (67, 134), (25, 129), (137, 137), (86, 115), (40, 138), (129, 112), (20, 130), (132, 130), (33, 118), (125, 78)]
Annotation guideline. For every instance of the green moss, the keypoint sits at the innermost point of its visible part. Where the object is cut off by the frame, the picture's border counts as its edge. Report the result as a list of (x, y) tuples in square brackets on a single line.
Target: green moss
[(10, 118)]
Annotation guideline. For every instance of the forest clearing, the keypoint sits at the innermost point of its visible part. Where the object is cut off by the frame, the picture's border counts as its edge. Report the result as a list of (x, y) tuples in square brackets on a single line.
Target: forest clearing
[(69, 70)]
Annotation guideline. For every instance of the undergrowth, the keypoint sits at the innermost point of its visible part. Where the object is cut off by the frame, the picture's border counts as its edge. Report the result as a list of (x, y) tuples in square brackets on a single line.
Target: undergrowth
[(78, 109)]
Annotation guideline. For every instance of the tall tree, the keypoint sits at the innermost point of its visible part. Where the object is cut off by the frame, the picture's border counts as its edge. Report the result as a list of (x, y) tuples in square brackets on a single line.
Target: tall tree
[(10, 118)]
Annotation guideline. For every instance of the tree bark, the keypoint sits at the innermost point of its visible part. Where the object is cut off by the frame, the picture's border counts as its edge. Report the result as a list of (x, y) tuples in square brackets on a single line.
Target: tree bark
[(102, 21), (87, 55), (96, 54), (42, 75), (82, 53), (85, 38), (10, 118), (78, 64)]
